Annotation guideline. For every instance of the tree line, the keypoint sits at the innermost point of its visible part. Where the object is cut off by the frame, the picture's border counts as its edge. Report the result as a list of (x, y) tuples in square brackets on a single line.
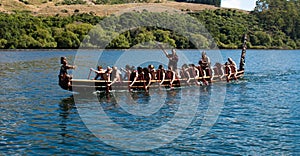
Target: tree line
[(280, 20), (270, 25)]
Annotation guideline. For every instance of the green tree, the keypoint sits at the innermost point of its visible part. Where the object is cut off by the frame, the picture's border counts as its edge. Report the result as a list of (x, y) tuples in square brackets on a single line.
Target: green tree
[(200, 41), (120, 42), (144, 37), (66, 39), (100, 38), (81, 29), (44, 37), (283, 14), (261, 38), (3, 43), (26, 41)]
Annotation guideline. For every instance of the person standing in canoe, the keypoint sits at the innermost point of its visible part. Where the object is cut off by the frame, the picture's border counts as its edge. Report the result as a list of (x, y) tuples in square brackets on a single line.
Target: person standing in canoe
[(64, 77), (205, 65), (64, 67), (173, 59)]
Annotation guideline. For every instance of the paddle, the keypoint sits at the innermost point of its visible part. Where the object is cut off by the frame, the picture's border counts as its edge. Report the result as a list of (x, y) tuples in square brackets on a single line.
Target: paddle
[(143, 78), (195, 78), (161, 47), (128, 77), (107, 87), (89, 75)]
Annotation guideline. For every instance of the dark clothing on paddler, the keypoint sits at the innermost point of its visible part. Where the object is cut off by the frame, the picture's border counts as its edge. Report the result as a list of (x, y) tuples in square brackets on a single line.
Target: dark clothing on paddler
[(173, 60)]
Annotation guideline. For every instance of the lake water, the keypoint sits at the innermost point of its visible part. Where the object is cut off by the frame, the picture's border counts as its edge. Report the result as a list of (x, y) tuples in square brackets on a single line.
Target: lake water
[(259, 115)]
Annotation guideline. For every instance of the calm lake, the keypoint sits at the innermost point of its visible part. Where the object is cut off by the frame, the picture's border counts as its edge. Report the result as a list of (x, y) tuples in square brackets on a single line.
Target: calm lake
[(258, 115)]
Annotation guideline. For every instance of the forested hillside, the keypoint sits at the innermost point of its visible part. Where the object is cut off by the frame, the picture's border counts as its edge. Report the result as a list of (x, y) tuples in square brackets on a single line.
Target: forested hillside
[(273, 24), (280, 20)]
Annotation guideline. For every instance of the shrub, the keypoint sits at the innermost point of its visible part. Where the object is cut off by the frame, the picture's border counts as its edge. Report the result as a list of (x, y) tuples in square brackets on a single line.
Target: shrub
[(24, 1), (64, 11)]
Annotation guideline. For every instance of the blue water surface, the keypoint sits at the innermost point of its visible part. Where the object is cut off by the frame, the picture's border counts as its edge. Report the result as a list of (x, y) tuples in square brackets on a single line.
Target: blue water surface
[(260, 114)]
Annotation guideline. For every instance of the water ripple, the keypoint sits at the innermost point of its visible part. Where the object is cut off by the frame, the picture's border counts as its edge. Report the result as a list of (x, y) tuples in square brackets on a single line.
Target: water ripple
[(260, 114)]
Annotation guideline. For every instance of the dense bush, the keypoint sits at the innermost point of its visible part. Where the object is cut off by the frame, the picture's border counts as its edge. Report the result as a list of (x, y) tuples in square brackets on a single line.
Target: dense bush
[(267, 27), (21, 30), (281, 20)]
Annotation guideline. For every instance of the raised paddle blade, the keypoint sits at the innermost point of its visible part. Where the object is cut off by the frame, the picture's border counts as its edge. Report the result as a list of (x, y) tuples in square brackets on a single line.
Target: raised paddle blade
[(89, 75)]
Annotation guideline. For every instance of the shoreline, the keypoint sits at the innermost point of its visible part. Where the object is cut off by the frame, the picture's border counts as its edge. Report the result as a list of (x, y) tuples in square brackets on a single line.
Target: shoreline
[(68, 50)]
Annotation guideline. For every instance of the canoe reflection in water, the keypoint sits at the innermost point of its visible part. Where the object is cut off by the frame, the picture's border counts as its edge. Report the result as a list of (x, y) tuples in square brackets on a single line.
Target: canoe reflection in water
[(139, 97), (148, 103), (141, 117)]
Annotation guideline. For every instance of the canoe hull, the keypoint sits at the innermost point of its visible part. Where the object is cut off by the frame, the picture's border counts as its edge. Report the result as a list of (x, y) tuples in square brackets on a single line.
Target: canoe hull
[(81, 85)]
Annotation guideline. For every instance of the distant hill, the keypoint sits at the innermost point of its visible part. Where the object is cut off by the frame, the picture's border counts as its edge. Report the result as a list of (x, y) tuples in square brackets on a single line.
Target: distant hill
[(58, 7)]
